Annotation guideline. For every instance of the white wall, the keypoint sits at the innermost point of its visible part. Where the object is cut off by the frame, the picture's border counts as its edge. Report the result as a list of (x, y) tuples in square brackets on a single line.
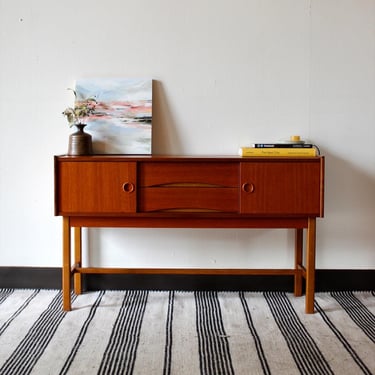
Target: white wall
[(227, 73)]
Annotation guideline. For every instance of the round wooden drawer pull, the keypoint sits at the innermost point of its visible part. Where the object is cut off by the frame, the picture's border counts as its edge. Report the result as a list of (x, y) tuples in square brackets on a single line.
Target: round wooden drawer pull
[(128, 187), (248, 187)]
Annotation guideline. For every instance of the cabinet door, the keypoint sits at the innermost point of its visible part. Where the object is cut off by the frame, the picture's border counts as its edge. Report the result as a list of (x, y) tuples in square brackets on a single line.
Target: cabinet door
[(282, 188), (96, 187)]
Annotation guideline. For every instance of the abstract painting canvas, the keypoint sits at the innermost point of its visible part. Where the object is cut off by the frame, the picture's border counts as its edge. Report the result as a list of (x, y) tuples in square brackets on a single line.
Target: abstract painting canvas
[(122, 122)]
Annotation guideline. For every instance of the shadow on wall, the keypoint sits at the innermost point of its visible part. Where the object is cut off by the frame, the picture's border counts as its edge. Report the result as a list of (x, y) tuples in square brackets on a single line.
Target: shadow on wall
[(349, 207), (165, 139)]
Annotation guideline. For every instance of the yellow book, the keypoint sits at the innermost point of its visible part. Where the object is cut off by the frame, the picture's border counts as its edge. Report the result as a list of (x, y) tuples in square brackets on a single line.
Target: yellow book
[(284, 151)]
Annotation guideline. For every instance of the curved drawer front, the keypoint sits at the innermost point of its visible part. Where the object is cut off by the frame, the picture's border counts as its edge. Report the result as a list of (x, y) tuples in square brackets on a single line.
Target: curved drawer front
[(189, 198), (224, 174)]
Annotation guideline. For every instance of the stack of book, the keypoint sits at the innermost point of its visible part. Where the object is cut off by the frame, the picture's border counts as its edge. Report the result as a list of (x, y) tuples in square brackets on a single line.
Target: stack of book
[(294, 147)]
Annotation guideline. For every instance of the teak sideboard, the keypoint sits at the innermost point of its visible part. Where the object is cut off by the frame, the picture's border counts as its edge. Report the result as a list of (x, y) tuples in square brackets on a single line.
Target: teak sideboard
[(189, 192)]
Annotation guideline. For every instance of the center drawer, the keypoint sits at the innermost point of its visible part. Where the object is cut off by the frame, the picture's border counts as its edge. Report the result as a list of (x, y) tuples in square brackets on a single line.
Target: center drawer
[(192, 186)]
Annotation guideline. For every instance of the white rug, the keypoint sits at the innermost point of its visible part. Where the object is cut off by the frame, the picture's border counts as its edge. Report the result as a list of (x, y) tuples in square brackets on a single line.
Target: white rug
[(141, 332)]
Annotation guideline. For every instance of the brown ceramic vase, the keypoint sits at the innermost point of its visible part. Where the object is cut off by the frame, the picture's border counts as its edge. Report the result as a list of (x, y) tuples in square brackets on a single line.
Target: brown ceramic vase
[(80, 143)]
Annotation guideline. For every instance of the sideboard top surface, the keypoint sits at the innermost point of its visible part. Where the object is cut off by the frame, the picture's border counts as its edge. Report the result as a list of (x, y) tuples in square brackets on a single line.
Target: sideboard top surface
[(197, 158)]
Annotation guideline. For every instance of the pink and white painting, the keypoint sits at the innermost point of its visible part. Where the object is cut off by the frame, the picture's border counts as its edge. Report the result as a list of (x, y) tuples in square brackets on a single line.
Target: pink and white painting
[(122, 122)]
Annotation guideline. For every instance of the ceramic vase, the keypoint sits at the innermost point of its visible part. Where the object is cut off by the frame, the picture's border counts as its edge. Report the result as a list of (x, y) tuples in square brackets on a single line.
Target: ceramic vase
[(80, 143)]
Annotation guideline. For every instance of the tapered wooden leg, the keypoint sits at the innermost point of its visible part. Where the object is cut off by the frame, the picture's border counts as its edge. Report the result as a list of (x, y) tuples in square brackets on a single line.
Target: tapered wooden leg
[(298, 262), (66, 273), (77, 259), (310, 266)]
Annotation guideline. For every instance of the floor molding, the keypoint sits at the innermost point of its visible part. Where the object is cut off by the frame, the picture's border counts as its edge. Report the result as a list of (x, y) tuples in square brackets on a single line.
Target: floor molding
[(50, 278)]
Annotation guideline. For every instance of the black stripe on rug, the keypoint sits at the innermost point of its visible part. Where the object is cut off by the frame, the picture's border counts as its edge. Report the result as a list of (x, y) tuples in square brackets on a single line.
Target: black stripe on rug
[(82, 334), (120, 354), (303, 348), (358, 312), (4, 294), (254, 334), (168, 336), (36, 340), (342, 339), (18, 312), (213, 346)]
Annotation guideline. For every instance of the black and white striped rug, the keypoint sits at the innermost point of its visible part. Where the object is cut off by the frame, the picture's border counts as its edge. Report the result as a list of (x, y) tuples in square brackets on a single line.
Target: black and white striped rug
[(144, 332)]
